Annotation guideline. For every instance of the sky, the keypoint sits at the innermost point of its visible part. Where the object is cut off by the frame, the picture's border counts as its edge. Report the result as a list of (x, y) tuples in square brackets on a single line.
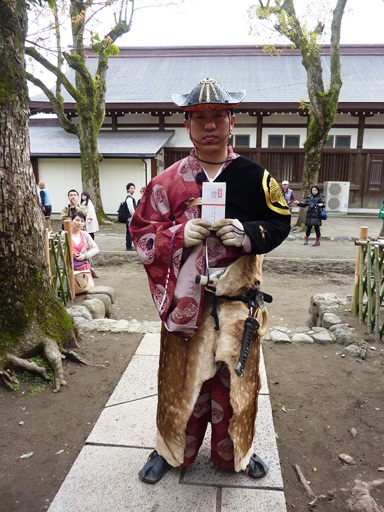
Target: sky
[(221, 22), (225, 22)]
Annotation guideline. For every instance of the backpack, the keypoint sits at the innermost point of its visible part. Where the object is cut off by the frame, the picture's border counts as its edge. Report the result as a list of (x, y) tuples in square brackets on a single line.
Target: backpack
[(123, 212)]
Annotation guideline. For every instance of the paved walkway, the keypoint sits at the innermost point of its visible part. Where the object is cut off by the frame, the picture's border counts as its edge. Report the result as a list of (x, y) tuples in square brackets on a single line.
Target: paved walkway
[(104, 476)]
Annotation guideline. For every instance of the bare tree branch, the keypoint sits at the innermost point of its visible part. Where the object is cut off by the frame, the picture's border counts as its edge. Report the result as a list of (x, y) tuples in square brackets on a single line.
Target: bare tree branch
[(32, 52)]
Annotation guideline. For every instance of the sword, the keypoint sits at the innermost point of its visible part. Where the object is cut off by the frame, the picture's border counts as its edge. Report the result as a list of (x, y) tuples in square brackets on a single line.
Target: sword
[(251, 324)]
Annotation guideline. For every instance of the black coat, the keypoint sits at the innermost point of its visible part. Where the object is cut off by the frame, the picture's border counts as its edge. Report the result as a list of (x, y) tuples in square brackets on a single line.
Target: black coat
[(313, 213)]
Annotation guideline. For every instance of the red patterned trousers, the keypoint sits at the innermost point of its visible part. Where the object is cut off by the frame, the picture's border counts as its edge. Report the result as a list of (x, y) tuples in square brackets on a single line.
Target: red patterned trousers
[(212, 406)]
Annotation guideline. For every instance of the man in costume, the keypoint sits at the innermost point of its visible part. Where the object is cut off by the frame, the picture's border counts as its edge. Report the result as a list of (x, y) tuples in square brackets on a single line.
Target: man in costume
[(201, 335)]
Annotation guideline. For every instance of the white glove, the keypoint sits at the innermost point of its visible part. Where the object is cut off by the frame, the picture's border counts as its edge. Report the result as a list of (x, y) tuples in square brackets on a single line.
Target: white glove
[(230, 231), (195, 231)]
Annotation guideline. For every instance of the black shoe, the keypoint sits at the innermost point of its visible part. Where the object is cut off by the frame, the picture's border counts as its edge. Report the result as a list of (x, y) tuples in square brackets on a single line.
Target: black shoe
[(94, 274), (154, 469), (130, 249), (256, 467)]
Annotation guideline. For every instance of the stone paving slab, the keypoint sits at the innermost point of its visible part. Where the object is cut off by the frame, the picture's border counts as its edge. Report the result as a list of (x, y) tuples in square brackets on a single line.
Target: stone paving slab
[(252, 500), (203, 472), (104, 476), (138, 381), (104, 479), (128, 424), (149, 346)]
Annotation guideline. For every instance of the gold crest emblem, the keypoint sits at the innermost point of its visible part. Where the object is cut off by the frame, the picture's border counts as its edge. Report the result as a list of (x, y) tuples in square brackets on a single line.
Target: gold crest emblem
[(273, 195)]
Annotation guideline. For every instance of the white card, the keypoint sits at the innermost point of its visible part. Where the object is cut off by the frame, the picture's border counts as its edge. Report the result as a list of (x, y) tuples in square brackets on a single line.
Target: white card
[(213, 197)]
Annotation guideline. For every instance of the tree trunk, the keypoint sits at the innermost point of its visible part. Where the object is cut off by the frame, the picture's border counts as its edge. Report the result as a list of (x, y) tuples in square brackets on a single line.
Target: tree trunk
[(89, 92), (90, 162), (30, 314), (322, 108), (312, 164)]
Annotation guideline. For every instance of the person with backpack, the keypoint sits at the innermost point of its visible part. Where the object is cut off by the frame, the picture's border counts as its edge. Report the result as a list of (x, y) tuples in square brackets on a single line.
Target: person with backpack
[(131, 206)]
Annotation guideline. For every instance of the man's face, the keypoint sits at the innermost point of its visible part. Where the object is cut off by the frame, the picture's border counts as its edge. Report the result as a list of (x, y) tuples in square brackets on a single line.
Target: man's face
[(210, 127), (73, 198), (131, 190), (285, 187)]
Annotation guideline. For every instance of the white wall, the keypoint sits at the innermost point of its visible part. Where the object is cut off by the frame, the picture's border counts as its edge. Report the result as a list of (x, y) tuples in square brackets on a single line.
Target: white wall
[(373, 139), (114, 176), (302, 132), (61, 175), (352, 132)]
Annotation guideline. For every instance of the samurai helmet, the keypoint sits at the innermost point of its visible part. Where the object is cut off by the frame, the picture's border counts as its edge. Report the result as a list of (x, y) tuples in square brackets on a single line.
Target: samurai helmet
[(208, 94)]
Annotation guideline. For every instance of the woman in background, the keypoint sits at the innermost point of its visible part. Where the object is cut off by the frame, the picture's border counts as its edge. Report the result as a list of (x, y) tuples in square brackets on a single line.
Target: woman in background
[(92, 224), (315, 202), (142, 190), (83, 246)]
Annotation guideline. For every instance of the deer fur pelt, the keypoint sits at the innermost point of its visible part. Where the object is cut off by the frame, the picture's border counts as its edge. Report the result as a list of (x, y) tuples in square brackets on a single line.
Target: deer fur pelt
[(185, 364)]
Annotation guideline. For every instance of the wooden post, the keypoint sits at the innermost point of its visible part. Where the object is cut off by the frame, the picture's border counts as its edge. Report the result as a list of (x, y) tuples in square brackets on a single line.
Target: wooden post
[(377, 292), (369, 288), (48, 223), (355, 294), (47, 256), (68, 229)]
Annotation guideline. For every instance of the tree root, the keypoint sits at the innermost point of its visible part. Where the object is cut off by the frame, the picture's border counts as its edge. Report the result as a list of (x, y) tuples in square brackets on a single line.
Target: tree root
[(361, 499), (76, 356), (297, 228), (358, 498), (8, 379), (32, 343), (304, 482), (29, 366)]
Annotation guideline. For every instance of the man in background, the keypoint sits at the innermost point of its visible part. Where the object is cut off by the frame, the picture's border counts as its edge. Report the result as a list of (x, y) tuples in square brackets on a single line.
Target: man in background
[(131, 205), (287, 193), (45, 203), (73, 206)]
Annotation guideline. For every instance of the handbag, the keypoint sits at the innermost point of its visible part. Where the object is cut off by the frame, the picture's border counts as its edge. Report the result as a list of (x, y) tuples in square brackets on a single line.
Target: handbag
[(83, 281), (323, 215)]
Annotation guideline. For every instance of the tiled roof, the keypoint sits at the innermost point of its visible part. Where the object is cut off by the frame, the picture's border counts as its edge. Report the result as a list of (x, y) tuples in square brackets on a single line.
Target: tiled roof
[(54, 141), (141, 76)]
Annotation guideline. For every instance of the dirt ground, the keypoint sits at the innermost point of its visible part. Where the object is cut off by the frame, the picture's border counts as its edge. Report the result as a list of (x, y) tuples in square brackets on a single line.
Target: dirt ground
[(317, 395)]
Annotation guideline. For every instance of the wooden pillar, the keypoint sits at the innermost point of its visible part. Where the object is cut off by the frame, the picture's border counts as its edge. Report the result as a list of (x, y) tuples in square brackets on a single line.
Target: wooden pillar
[(360, 131), (259, 131), (161, 122), (153, 167), (114, 122)]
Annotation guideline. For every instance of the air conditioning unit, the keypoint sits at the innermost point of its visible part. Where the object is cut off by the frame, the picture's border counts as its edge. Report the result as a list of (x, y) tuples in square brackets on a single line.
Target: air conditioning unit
[(336, 196)]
